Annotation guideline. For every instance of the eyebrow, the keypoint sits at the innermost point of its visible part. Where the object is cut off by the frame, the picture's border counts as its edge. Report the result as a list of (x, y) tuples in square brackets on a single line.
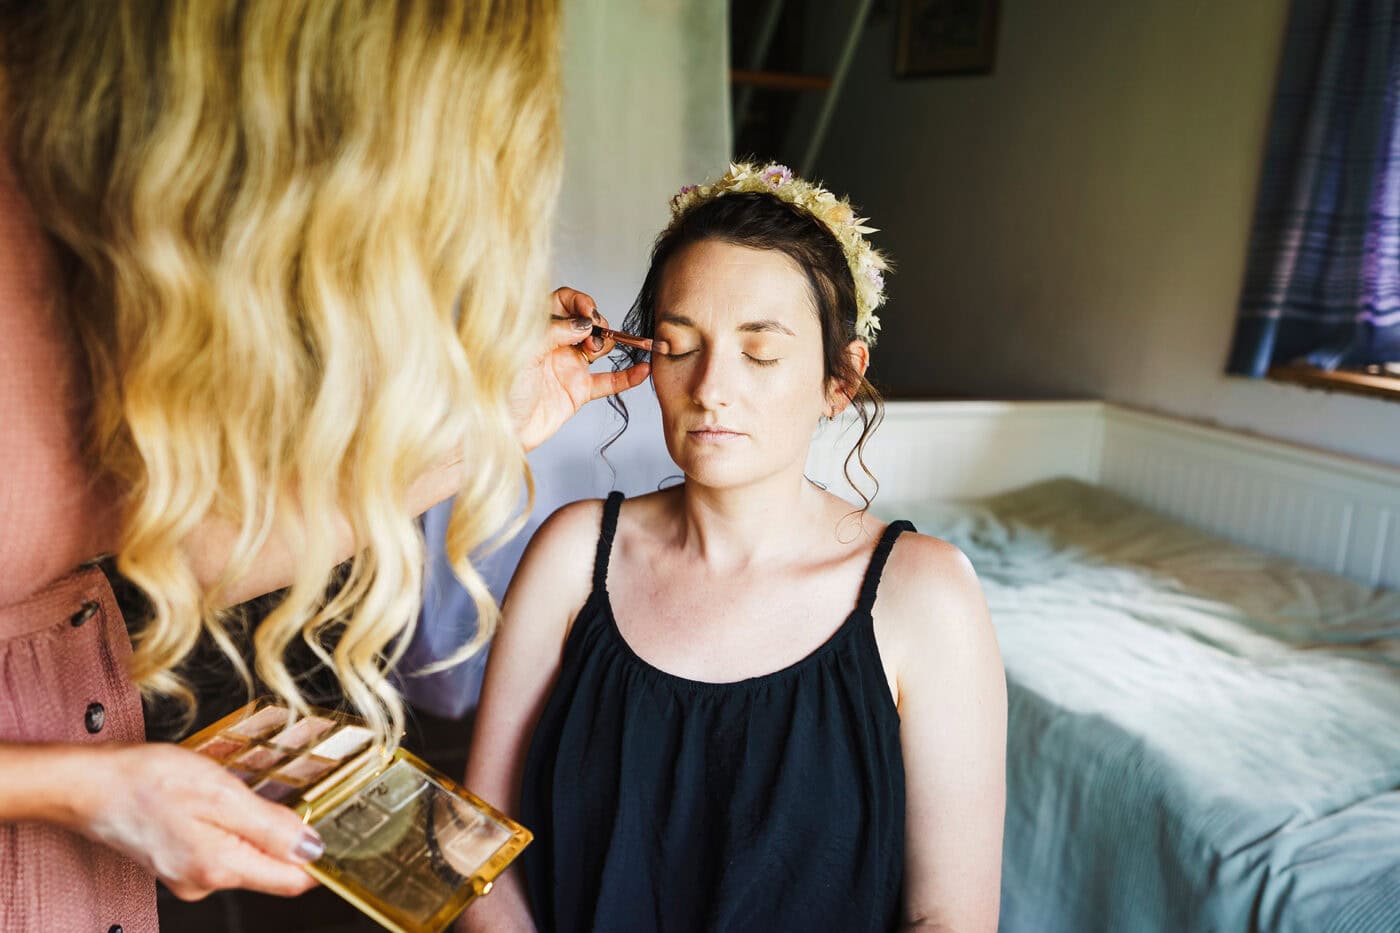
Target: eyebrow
[(748, 327)]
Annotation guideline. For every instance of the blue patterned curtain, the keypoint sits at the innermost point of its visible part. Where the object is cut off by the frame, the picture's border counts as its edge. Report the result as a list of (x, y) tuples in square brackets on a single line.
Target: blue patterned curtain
[(1323, 279)]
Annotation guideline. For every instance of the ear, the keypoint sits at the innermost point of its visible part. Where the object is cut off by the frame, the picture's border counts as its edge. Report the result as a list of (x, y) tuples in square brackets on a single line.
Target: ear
[(839, 393)]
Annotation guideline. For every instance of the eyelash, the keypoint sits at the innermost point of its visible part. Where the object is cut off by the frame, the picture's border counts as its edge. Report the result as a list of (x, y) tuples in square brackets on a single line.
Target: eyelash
[(752, 359)]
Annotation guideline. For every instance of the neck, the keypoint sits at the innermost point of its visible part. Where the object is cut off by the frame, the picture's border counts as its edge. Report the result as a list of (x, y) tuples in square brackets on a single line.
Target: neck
[(733, 528)]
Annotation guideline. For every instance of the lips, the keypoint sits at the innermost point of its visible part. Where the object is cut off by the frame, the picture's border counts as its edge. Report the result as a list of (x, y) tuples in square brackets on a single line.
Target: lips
[(714, 432)]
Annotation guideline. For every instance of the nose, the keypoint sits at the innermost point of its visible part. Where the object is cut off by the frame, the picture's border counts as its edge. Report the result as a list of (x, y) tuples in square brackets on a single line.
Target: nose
[(713, 383)]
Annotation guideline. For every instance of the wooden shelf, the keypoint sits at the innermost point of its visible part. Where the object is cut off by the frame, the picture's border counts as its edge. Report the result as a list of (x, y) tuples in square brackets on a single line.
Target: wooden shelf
[(779, 80), (1387, 387)]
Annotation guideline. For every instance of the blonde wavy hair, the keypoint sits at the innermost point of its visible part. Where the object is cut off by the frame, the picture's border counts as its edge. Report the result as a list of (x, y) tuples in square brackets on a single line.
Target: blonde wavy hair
[(304, 246)]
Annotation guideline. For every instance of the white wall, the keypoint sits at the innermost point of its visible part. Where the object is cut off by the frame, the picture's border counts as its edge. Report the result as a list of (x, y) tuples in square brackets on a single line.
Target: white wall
[(1075, 224), (646, 110)]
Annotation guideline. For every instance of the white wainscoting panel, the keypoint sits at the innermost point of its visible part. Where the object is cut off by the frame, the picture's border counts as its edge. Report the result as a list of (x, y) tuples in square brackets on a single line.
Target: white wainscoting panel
[(1322, 509), (960, 450)]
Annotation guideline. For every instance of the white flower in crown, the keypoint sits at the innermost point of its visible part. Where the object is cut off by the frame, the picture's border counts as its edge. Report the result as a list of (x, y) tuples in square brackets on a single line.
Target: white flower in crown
[(867, 264)]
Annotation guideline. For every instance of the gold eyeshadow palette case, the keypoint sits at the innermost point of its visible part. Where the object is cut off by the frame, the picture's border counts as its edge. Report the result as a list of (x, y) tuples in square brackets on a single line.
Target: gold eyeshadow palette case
[(404, 843)]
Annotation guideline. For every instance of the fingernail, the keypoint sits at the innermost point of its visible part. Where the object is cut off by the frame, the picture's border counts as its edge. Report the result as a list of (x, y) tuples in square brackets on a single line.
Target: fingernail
[(309, 847), (596, 316), (581, 323)]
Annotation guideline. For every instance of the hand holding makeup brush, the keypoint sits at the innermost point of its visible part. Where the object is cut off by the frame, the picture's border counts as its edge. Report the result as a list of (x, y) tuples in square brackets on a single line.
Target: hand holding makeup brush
[(558, 382)]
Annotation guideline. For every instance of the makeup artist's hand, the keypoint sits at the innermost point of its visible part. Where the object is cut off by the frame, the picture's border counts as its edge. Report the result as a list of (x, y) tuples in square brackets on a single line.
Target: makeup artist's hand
[(558, 383), (191, 823)]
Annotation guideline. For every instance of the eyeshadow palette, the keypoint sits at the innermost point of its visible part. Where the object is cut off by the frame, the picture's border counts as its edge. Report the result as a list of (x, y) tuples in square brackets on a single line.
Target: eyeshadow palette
[(404, 843)]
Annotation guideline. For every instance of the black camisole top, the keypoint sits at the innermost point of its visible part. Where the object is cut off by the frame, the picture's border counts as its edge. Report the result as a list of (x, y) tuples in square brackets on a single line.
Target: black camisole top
[(770, 804)]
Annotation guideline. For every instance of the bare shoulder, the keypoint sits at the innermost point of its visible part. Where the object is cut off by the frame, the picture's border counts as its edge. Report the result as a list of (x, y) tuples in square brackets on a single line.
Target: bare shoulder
[(555, 573), (570, 525), (924, 570), (931, 613)]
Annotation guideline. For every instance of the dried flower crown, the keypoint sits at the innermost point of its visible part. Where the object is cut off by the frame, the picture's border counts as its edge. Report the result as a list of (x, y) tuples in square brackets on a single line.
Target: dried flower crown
[(867, 264)]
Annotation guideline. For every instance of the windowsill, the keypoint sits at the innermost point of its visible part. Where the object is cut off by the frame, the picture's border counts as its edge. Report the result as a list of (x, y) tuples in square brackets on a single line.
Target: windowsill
[(1375, 386)]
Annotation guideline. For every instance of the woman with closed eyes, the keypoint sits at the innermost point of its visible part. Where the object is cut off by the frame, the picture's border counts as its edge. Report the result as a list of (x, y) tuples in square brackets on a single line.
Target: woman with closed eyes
[(754, 708)]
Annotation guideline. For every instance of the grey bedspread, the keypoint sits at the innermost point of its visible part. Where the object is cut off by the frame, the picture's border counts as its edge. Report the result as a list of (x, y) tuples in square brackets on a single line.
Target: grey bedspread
[(1202, 737)]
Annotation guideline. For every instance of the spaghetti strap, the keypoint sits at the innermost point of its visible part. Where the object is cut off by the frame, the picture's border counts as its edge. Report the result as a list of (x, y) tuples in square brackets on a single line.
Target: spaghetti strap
[(605, 540), (877, 563)]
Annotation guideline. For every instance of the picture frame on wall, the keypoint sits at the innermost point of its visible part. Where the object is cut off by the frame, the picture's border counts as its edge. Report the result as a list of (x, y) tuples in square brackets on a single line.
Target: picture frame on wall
[(945, 37)]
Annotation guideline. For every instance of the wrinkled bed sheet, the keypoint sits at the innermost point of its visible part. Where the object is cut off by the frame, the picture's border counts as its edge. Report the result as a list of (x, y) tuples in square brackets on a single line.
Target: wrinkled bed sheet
[(1202, 736)]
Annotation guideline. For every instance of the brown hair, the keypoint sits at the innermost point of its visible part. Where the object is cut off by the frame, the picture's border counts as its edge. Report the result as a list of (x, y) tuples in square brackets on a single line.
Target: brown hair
[(763, 221)]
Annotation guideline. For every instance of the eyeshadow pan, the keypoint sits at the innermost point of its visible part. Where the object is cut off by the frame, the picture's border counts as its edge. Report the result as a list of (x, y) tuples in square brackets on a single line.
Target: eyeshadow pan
[(245, 776), (220, 748), (359, 817), (471, 848), (415, 899), (344, 743), (372, 872), (306, 769), (259, 758), (276, 791), (396, 787), (303, 732), (339, 843), (260, 723)]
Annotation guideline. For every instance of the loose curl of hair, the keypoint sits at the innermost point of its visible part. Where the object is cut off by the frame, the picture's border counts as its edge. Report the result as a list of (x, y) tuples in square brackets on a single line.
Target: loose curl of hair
[(300, 244), (763, 221)]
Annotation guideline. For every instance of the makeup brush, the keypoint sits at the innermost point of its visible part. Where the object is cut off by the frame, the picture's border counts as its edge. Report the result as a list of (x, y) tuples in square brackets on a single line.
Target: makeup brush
[(604, 333)]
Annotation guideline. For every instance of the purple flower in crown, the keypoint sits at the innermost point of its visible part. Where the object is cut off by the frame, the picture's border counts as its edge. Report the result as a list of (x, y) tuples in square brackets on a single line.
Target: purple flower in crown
[(680, 195), (875, 277), (777, 175)]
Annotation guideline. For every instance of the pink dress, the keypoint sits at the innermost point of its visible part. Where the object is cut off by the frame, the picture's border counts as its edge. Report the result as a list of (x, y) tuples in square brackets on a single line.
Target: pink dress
[(63, 642)]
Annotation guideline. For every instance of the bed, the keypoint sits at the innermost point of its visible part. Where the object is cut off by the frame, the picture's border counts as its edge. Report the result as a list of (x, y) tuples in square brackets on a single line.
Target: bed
[(1204, 732)]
